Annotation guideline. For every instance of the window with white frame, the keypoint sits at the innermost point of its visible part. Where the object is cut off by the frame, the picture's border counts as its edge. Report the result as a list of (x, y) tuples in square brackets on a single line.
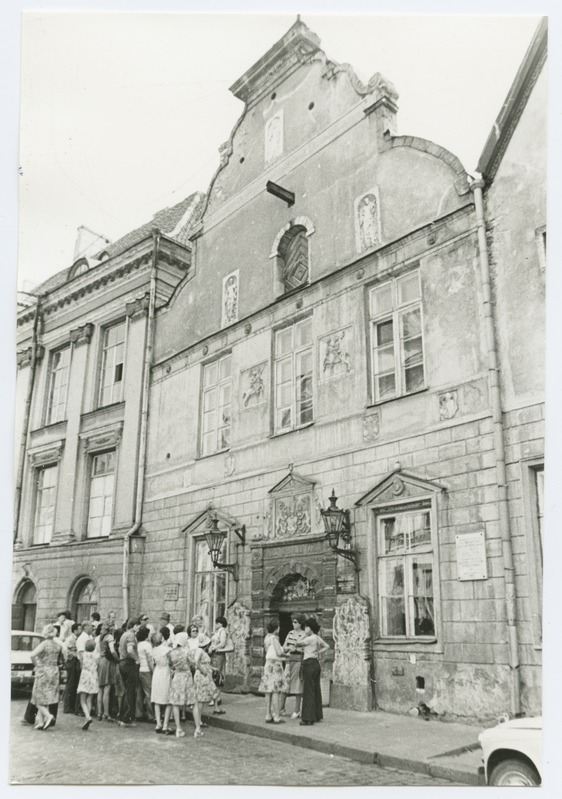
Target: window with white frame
[(396, 337), (217, 389), (405, 565), (112, 364), (45, 501), (293, 376), (102, 487), (58, 385), (210, 585)]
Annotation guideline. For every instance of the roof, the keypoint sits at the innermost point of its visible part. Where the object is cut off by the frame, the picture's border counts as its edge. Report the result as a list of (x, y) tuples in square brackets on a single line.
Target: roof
[(514, 103), (176, 222)]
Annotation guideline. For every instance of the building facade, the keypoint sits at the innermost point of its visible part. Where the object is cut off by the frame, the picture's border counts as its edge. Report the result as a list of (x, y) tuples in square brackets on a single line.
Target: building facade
[(349, 320)]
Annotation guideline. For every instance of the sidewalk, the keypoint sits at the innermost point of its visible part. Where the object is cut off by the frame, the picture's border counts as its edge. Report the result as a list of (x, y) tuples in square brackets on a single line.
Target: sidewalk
[(440, 749)]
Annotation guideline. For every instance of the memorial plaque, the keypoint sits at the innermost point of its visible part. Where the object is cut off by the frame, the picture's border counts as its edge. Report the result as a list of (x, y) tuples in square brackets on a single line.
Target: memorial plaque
[(471, 556), (171, 592)]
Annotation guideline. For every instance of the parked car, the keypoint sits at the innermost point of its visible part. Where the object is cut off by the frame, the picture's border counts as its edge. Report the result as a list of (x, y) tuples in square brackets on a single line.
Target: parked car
[(23, 644), (512, 753)]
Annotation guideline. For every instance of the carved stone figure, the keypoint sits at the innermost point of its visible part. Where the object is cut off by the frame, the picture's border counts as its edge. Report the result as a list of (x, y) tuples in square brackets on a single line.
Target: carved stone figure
[(448, 405), (292, 516), (273, 137), (368, 221), (230, 299), (351, 639), (255, 392), (238, 618), (336, 357), (300, 588)]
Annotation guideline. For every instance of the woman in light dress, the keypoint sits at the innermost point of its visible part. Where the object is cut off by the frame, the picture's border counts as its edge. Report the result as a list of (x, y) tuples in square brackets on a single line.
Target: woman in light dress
[(273, 681), (205, 688), (89, 684), (46, 690), (161, 678), (293, 669), (182, 691), (218, 656)]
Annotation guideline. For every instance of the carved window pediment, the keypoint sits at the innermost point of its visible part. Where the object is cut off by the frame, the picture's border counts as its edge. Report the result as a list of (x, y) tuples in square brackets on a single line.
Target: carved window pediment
[(399, 485), (48, 455), (108, 438), (202, 521), (292, 483)]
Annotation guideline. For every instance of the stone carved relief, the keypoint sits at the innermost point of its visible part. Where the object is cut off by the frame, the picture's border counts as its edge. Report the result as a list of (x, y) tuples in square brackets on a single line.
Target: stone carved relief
[(238, 618), (252, 384), (292, 516), (229, 465), (299, 588), (336, 353), (274, 137), (371, 427), (351, 640), (448, 405), (367, 220), (230, 298)]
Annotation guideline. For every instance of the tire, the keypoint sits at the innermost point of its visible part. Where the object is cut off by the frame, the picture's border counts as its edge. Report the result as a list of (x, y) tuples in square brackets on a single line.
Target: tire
[(514, 772)]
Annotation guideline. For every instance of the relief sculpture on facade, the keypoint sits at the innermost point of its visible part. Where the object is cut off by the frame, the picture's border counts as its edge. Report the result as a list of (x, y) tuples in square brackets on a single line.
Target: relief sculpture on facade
[(292, 516), (253, 386), (238, 618), (351, 641), (336, 353), (367, 221), (230, 299)]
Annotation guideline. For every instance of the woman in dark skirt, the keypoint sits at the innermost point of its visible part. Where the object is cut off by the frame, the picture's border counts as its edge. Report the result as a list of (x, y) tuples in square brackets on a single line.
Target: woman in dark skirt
[(312, 646)]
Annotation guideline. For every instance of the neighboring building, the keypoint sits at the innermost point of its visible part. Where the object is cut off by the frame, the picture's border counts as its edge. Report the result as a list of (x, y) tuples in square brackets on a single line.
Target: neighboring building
[(82, 361), (349, 318)]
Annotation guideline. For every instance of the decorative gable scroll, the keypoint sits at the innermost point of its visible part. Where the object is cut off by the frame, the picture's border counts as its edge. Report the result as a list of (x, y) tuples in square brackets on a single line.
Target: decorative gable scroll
[(399, 486)]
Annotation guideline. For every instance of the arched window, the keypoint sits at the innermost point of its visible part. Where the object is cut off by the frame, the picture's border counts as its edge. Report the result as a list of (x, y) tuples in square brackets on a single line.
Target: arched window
[(85, 600), (24, 609), (293, 254)]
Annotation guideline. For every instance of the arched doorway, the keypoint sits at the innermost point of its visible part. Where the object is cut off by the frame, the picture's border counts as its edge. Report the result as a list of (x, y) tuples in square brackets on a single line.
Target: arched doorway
[(84, 600), (293, 595), (24, 609)]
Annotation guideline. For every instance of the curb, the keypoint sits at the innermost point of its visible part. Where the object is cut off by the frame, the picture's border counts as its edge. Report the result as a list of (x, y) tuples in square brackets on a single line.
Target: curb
[(350, 752)]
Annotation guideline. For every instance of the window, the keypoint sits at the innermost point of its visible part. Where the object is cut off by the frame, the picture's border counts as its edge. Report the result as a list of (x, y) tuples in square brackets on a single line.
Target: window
[(210, 585), (45, 499), (24, 608), (293, 253), (102, 484), (112, 365), (293, 376), (216, 405), (405, 574), (58, 385), (396, 337), (85, 600)]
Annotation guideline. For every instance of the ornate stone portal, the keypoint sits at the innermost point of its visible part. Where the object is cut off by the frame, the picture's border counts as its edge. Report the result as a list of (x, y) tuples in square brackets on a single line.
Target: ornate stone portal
[(351, 686)]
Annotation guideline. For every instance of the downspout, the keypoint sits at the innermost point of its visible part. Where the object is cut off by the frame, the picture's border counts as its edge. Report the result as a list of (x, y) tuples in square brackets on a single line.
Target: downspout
[(499, 450), (26, 417), (148, 349)]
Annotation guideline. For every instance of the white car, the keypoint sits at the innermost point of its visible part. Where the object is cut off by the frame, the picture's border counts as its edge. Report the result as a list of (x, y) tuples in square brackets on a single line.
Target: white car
[(512, 752), (23, 644)]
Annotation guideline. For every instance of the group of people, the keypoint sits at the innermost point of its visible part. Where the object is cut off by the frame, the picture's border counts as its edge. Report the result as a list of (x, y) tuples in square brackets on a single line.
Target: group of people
[(136, 672), (293, 669), (129, 673)]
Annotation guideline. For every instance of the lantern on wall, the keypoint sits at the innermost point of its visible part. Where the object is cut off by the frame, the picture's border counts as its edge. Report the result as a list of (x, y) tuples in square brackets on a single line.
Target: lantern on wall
[(338, 529), (215, 538)]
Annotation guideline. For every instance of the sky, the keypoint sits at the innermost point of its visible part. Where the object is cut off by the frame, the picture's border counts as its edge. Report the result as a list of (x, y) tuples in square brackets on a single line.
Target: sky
[(123, 114)]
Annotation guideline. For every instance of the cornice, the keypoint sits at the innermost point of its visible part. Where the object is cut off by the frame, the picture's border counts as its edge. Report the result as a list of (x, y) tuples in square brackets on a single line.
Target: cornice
[(81, 334), (46, 455), (23, 357)]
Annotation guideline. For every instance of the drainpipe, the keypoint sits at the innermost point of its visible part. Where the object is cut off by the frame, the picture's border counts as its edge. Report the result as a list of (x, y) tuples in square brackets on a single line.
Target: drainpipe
[(148, 349), (499, 449), (26, 417)]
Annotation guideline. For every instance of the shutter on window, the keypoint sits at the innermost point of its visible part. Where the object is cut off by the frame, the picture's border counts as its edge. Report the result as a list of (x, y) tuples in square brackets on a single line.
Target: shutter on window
[(294, 251)]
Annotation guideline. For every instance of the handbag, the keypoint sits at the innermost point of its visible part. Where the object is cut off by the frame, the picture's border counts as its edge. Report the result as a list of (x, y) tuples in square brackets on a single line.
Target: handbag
[(218, 678), (229, 646)]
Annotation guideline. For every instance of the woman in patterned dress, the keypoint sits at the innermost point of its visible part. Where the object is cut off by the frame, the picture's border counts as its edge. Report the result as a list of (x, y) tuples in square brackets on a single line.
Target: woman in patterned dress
[(107, 670), (205, 688), (46, 688), (293, 668), (89, 684), (273, 681), (161, 678), (182, 692)]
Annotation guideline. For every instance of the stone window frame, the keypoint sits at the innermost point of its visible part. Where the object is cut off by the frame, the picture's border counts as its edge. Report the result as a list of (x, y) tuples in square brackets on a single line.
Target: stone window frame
[(277, 430), (51, 376), (530, 467), (203, 391), (94, 443), (103, 331), (278, 262), (75, 590), (39, 461), (394, 314)]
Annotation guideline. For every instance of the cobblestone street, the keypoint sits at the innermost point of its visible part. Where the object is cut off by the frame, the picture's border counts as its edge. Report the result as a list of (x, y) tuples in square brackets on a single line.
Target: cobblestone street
[(219, 757)]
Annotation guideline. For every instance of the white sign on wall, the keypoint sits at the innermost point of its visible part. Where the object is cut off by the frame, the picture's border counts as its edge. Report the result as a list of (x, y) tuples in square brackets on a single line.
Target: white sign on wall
[(471, 556)]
